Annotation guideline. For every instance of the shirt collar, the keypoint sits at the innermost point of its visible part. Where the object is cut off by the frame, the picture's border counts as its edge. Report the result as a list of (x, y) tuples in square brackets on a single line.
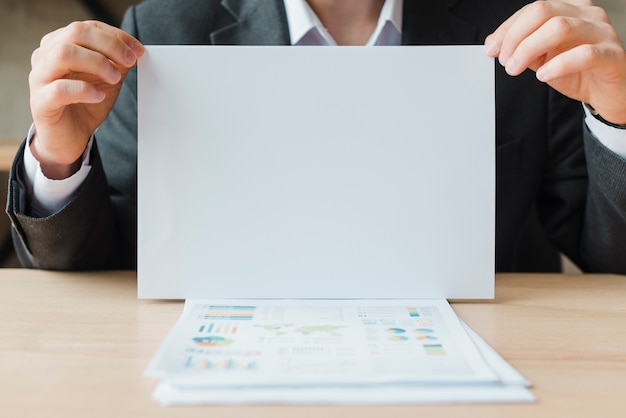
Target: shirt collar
[(303, 22)]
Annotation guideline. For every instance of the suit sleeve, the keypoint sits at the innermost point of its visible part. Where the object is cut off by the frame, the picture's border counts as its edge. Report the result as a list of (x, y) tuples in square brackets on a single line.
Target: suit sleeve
[(97, 228), (75, 238), (603, 241), (582, 200)]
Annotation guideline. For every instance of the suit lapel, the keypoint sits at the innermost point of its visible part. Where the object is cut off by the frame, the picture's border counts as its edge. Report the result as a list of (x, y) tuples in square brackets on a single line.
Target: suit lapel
[(256, 22), (436, 23)]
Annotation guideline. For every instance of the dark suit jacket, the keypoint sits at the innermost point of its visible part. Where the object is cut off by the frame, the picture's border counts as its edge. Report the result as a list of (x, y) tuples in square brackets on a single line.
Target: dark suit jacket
[(550, 171)]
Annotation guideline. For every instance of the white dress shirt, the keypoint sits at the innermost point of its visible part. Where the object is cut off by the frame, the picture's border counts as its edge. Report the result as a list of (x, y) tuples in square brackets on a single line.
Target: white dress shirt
[(48, 196), (305, 28)]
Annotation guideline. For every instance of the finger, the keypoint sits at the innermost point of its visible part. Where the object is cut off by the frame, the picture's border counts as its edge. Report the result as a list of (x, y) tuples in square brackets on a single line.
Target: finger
[(124, 36), (115, 44), (76, 30), (553, 37), (66, 59), (61, 93), (529, 18), (493, 42), (132, 42), (534, 17), (579, 2), (576, 60)]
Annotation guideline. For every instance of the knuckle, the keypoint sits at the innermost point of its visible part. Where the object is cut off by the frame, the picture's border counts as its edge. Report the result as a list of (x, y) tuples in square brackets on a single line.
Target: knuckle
[(75, 30), (612, 35), (34, 57), (63, 91), (561, 26), (57, 89), (541, 9), (62, 52), (589, 53), (46, 39), (598, 13)]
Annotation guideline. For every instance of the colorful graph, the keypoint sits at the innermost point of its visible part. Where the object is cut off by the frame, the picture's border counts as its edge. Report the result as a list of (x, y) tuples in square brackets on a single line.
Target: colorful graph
[(424, 331), (212, 341), (413, 313), (427, 338), (229, 312), (398, 338), (396, 330), (434, 349), (217, 328)]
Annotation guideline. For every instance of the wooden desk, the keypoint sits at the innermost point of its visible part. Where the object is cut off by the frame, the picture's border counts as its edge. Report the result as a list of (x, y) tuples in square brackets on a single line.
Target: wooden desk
[(76, 345)]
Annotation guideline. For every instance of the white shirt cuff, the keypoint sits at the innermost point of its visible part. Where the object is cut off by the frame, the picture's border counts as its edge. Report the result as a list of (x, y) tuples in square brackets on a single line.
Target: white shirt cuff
[(49, 196), (612, 138)]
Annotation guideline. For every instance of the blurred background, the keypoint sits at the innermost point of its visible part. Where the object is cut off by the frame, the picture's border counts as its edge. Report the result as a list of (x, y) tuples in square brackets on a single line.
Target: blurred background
[(24, 22)]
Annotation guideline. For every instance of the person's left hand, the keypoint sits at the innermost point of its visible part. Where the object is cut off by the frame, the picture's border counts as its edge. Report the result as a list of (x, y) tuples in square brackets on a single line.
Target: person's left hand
[(572, 46)]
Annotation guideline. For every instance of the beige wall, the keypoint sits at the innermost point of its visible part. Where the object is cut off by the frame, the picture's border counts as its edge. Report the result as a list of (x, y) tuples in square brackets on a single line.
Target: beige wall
[(22, 24)]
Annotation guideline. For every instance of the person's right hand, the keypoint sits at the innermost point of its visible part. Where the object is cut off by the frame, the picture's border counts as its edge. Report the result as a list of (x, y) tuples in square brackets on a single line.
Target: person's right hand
[(76, 76)]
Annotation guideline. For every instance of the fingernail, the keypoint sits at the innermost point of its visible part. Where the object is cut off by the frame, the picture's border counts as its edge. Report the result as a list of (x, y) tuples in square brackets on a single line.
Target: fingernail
[(512, 66), (136, 47), (491, 48), (99, 95), (130, 57), (115, 75), (543, 74), (503, 58)]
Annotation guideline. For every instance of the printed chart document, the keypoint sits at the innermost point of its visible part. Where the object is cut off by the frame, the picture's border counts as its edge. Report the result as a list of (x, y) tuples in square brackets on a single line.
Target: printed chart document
[(337, 351)]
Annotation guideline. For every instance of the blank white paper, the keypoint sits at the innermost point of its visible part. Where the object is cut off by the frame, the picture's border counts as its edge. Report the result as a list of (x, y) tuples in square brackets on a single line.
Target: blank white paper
[(317, 172)]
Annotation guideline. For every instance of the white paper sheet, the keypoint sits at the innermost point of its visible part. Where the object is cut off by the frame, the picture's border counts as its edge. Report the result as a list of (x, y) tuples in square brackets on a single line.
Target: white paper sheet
[(286, 172), (331, 352)]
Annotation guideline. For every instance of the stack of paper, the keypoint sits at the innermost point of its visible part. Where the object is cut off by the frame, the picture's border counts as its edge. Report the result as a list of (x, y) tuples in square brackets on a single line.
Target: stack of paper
[(337, 178), (330, 351)]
